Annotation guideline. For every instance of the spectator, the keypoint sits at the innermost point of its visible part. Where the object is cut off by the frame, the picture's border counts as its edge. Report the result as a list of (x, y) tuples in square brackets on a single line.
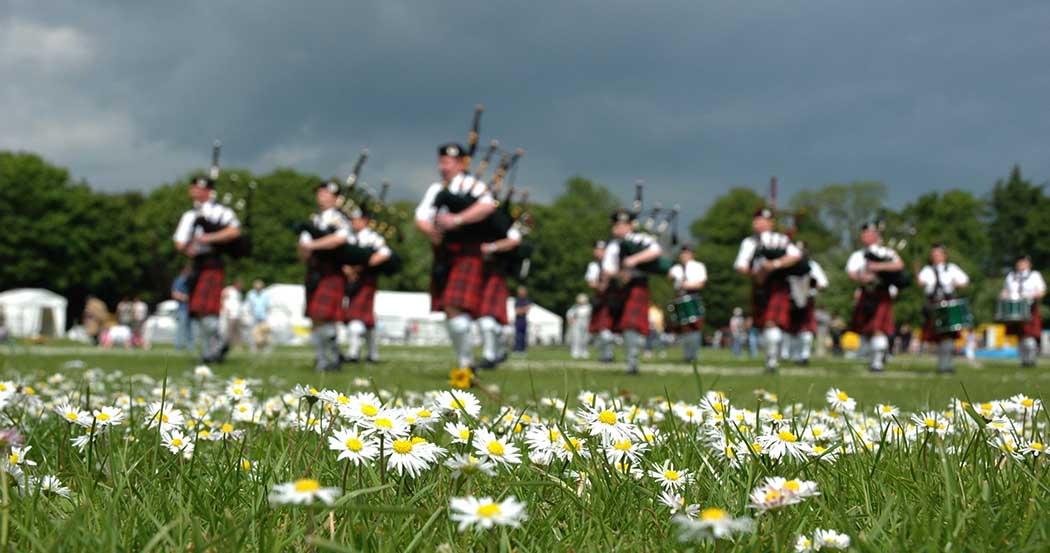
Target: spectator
[(180, 292), (126, 313), (259, 310), (95, 316), (139, 312), (522, 303), (579, 318), (738, 331), (230, 315)]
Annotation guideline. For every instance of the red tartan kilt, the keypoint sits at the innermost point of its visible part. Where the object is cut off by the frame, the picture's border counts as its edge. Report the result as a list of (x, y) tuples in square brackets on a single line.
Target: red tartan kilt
[(1028, 329), (206, 298), (694, 326), (803, 320), (777, 308), (601, 319), (361, 306), (635, 315), (494, 297), (326, 301), (464, 286), (880, 320)]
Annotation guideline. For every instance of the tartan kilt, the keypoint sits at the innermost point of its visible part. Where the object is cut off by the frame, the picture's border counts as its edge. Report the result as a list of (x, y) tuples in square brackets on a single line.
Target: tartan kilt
[(462, 289), (601, 319), (873, 313), (634, 315), (694, 326), (494, 295), (771, 303), (206, 298), (361, 306), (803, 319), (1028, 329), (326, 298)]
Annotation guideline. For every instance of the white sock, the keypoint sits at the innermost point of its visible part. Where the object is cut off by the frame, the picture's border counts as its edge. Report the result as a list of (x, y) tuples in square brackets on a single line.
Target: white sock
[(632, 342), (211, 341), (490, 331), (373, 344), (356, 329), (605, 338), (879, 345), (1028, 349), (459, 328), (944, 354), (806, 345), (772, 337), (691, 345)]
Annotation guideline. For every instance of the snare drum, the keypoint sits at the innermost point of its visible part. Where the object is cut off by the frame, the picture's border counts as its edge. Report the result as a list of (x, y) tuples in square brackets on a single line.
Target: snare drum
[(952, 316), (685, 310), (1013, 311)]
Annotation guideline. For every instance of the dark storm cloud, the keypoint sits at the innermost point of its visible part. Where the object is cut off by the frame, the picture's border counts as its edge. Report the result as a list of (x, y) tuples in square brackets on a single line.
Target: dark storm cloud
[(691, 96)]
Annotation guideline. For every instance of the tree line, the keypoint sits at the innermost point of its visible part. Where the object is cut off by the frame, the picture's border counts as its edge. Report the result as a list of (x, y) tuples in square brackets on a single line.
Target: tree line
[(62, 235)]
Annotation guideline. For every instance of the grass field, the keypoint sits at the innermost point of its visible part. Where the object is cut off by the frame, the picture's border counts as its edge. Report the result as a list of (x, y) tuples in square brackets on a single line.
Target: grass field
[(960, 476)]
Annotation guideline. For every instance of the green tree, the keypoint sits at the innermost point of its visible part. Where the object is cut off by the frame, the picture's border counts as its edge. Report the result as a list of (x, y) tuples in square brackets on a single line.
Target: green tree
[(841, 208)]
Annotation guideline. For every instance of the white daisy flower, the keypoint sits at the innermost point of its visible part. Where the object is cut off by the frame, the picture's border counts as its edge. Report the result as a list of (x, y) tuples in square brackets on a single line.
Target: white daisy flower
[(676, 503), (459, 402), (304, 491), (931, 421), (362, 406), (17, 456), (496, 449), (52, 485), (353, 446), (605, 423), (177, 442), (778, 492), (669, 478), (108, 416), (710, 525), (829, 539), (406, 457), (784, 443), (388, 423), (1035, 449), (169, 417), (484, 513), (625, 451), (469, 465), (803, 544), (887, 411), (568, 448), (203, 372), (73, 414), (840, 401), (460, 432)]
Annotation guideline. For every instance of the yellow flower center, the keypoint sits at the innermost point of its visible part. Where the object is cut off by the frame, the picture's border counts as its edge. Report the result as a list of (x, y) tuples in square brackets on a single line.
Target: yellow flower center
[(1027, 402), (729, 452), (204, 433), (624, 445), (313, 391), (1038, 446), (689, 413), (353, 444), (163, 418), (227, 428), (464, 434), (342, 399), (384, 423), (711, 515), (238, 391), (772, 496), (842, 396), (495, 448), (176, 442), (103, 417), (887, 409), (572, 445), (418, 440), (423, 414), (719, 407), (787, 436), (456, 403), (14, 458), (931, 423), (607, 417), (246, 464), (817, 432), (369, 410), (72, 416), (671, 475), (29, 391), (488, 510), (307, 485), (792, 485), (402, 446), (819, 449)]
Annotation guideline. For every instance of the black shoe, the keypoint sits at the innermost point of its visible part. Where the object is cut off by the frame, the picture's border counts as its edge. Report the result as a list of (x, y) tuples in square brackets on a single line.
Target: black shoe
[(349, 359), (606, 360), (502, 357), (371, 359), (632, 369), (875, 369), (802, 362), (224, 350), (486, 364), (771, 369)]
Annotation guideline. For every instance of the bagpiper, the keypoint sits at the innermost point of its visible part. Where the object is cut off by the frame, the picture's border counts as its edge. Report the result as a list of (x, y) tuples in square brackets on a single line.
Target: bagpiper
[(446, 213), (878, 269), (362, 284), (768, 257)]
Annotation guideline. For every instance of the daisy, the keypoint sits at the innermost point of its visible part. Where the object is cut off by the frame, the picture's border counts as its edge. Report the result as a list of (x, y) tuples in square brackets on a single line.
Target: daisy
[(803, 544), (840, 401), (1034, 449), (497, 450), (302, 492), (931, 421), (408, 457), (783, 443), (387, 423), (202, 372), (887, 411), (469, 465), (829, 539), (73, 414), (711, 524), (824, 454), (1022, 403), (484, 513), (17, 456), (676, 503), (778, 492), (353, 446), (625, 451), (244, 411), (332, 397), (606, 423), (569, 447), (691, 414), (177, 442), (670, 478), (108, 416), (362, 406), (166, 418), (52, 485), (459, 402), (460, 432)]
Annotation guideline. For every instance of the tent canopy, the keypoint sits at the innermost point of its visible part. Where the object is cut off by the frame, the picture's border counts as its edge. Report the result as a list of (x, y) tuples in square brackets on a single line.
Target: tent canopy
[(34, 312)]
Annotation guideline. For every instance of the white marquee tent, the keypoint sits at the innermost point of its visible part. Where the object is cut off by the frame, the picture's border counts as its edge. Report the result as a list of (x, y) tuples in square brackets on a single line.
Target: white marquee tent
[(34, 312)]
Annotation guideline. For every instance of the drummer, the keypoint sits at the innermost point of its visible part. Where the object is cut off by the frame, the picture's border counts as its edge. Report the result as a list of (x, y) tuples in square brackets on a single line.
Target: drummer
[(689, 277), (940, 280), (1025, 284)]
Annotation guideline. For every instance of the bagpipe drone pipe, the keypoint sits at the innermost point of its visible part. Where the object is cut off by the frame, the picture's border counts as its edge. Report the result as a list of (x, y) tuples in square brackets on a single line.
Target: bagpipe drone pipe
[(242, 245), (663, 228)]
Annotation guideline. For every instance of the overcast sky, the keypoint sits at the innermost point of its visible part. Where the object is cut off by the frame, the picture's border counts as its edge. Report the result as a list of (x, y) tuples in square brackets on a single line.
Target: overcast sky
[(693, 97)]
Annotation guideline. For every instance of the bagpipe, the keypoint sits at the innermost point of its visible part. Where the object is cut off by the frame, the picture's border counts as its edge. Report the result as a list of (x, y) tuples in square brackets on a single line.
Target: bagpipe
[(896, 243), (656, 225), (242, 245)]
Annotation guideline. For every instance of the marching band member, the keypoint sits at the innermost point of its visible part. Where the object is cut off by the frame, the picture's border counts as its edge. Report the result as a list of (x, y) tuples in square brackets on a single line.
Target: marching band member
[(626, 287), (764, 256), (1027, 284), (689, 277), (325, 283), (208, 267), (803, 320), (362, 283), (456, 288), (600, 324), (872, 267), (493, 311), (940, 280), (579, 318)]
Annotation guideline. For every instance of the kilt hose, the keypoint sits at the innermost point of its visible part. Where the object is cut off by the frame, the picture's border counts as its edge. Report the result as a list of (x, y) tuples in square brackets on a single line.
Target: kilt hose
[(206, 297), (873, 312), (1028, 329), (361, 306), (325, 288), (494, 294), (629, 307), (462, 287), (803, 319), (771, 303)]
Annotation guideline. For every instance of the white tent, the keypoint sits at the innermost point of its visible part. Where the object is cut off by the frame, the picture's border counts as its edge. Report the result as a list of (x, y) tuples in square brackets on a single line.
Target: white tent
[(288, 324), (34, 312)]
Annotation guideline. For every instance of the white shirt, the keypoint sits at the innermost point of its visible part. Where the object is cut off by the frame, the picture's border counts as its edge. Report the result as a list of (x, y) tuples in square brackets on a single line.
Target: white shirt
[(212, 212), (579, 314), (857, 262), (746, 258), (950, 275), (611, 261), (231, 301), (369, 238), (330, 218), (1024, 285), (694, 271), (593, 274), (460, 184)]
